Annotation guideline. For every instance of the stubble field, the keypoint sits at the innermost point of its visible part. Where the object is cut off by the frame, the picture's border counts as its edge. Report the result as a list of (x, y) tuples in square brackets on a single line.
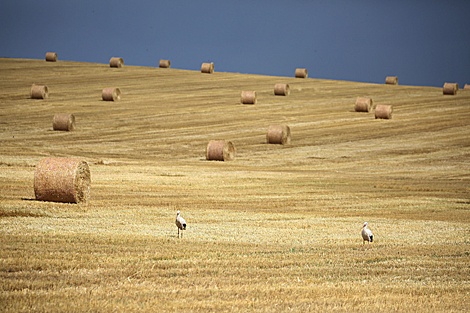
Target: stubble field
[(275, 230)]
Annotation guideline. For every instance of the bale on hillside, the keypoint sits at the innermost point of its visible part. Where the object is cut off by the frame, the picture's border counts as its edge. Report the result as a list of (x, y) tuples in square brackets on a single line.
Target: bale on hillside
[(391, 80), (51, 57), (63, 121), (450, 88), (164, 64), (278, 134), (248, 97), (111, 94), (281, 90), (62, 180), (39, 92), (220, 150), (301, 73), (207, 68), (466, 87), (116, 62), (363, 104), (383, 111)]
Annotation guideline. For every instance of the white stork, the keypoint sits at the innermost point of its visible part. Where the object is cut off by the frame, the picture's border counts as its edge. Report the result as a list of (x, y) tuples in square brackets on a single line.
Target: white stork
[(366, 236), (180, 223)]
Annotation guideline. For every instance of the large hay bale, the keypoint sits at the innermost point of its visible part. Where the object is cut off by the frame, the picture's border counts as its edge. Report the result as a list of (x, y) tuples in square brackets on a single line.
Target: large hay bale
[(278, 134), (51, 57), (450, 88), (62, 180), (63, 121), (301, 73), (220, 150), (466, 87), (391, 80), (111, 94), (363, 104), (164, 64), (281, 90), (248, 97), (39, 92), (383, 111), (116, 62), (207, 68)]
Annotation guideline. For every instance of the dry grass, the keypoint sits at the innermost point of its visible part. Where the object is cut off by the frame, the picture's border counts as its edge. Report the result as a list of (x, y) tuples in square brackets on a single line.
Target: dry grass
[(277, 229)]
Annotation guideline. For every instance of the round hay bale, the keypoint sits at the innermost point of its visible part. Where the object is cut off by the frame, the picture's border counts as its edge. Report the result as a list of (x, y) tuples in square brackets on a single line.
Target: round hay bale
[(466, 87), (248, 97), (450, 88), (383, 111), (63, 121), (220, 150), (363, 104), (301, 73), (207, 68), (278, 134), (111, 94), (62, 180), (281, 90), (116, 62), (39, 92), (164, 64), (51, 57), (391, 80)]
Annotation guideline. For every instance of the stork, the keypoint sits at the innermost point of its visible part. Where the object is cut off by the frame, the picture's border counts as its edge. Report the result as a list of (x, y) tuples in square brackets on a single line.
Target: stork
[(366, 236), (180, 223)]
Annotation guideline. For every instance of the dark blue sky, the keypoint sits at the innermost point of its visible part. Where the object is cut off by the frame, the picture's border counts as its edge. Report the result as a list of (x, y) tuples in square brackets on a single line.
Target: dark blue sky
[(423, 42)]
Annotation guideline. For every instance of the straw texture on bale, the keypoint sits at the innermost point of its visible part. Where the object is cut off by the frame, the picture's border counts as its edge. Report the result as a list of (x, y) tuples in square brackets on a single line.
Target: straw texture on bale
[(116, 62), (220, 150), (363, 104), (164, 64), (62, 180), (248, 97), (450, 88), (301, 73), (278, 134), (207, 68), (39, 92), (51, 57), (281, 90), (111, 94), (466, 87), (383, 111), (391, 80), (63, 121)]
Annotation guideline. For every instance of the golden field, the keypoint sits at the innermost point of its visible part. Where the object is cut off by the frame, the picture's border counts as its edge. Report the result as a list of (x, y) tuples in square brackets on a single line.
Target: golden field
[(275, 230)]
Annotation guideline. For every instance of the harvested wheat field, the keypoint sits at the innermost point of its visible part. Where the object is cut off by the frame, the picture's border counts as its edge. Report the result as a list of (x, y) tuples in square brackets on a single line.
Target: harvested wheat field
[(276, 229)]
